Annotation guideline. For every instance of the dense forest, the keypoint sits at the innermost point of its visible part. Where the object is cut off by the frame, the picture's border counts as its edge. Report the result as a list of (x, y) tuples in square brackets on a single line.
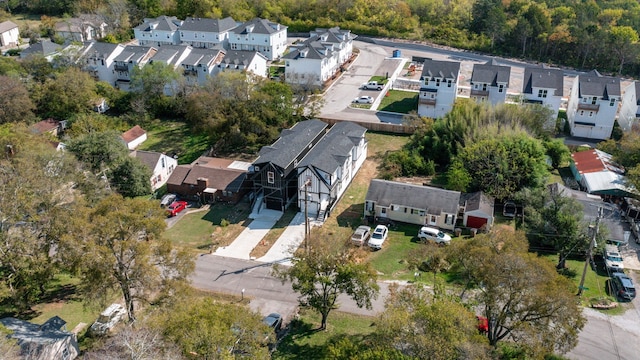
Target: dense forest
[(584, 34)]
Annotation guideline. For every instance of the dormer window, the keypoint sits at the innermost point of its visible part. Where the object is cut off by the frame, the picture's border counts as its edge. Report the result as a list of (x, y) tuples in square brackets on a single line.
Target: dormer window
[(500, 88), (437, 82), (612, 102), (594, 100), (542, 93)]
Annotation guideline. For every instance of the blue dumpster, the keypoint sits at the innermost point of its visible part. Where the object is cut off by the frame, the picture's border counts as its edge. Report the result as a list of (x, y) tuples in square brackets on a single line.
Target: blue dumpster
[(397, 53)]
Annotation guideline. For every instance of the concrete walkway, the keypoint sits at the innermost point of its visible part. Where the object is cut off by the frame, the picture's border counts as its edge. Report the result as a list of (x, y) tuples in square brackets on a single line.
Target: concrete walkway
[(241, 247), (282, 250)]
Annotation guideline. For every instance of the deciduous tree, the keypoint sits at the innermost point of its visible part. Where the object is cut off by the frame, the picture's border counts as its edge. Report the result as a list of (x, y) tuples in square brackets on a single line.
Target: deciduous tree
[(15, 103)]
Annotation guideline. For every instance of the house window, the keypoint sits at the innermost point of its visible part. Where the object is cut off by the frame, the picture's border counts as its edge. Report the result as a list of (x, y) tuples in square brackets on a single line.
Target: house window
[(581, 112), (484, 87), (542, 93), (433, 220), (271, 178), (594, 100), (433, 96), (500, 88), (590, 113), (448, 219), (437, 82), (405, 210), (612, 102), (421, 212), (449, 83), (383, 211)]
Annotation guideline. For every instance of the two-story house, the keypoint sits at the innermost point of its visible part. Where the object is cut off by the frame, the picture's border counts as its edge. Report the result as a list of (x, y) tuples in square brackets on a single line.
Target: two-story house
[(260, 35), (438, 88), (99, 58), (162, 30), (630, 106), (124, 63), (327, 170), (315, 60), (200, 64), (161, 166), (275, 172), (249, 61), (83, 28), (207, 33), (9, 34), (544, 86), (593, 105), (490, 82)]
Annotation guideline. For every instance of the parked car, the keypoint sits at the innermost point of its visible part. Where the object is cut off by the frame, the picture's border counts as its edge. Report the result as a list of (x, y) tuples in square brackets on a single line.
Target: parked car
[(167, 200), (612, 258), (509, 209), (108, 319), (273, 320), (432, 234), (363, 100), (361, 235), (176, 207), (623, 286), (378, 237)]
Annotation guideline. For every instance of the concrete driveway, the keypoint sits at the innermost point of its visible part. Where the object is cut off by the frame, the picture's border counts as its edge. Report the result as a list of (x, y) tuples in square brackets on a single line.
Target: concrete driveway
[(282, 250), (241, 247)]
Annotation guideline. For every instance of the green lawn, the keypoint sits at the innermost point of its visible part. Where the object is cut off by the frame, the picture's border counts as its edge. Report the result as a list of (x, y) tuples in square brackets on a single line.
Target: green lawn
[(172, 137), (391, 260), (304, 341), (399, 101)]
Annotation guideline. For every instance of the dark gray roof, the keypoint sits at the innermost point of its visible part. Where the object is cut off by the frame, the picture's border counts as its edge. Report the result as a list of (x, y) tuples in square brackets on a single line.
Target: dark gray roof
[(545, 78), (208, 25), (594, 84), (434, 200), (307, 51), (259, 26), (491, 73), (334, 34), (44, 47), (477, 201), (148, 158), (169, 54), (99, 49), (237, 57), (133, 53), (292, 142), (200, 57), (165, 23), (440, 69), (28, 332), (331, 152), (611, 217)]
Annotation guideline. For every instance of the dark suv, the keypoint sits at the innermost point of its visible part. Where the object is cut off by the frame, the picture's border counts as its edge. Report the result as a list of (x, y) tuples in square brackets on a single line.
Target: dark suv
[(623, 286)]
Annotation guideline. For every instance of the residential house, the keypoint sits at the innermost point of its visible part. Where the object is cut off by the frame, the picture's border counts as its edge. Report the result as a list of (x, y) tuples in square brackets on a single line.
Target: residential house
[(478, 210), (46, 48), (596, 173), (275, 172), (162, 30), (99, 60), (161, 166), (438, 88), (239, 60), (490, 82), (210, 180), (200, 64), (593, 105), (124, 63), (630, 107), (83, 28), (545, 87), (207, 33), (260, 35), (100, 105), (414, 204), (9, 34), (49, 341), (327, 170), (617, 230), (320, 57), (134, 137), (48, 126)]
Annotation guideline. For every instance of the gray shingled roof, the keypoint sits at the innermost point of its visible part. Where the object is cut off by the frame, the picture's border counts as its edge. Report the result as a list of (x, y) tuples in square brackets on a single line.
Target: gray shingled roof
[(6, 26), (100, 49), (165, 23), (200, 56), (291, 143), (259, 26), (434, 200), (491, 73), (208, 25), (168, 53), (44, 47), (148, 158), (34, 333), (306, 51), (330, 152), (478, 201), (237, 57), (545, 78), (133, 53), (594, 84), (440, 69)]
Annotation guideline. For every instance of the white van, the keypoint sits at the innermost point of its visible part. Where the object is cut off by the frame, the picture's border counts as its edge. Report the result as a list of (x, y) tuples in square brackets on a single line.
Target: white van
[(612, 258)]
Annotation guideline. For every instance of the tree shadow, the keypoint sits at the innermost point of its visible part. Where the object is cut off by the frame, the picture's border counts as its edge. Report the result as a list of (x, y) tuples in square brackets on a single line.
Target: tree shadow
[(351, 216), (58, 293), (289, 348)]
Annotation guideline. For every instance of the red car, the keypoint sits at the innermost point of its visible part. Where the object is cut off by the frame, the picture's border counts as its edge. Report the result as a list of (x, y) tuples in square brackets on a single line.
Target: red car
[(176, 207)]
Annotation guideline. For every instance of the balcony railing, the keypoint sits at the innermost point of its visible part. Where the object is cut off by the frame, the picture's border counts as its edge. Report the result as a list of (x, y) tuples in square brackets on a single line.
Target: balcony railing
[(592, 107), (479, 92), (121, 67), (424, 101)]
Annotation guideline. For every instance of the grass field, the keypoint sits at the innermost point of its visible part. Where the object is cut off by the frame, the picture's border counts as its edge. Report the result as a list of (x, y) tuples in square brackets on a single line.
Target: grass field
[(399, 101), (172, 137)]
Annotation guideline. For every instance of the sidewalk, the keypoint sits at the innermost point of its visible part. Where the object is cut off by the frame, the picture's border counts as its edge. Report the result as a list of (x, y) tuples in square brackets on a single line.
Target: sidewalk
[(241, 247)]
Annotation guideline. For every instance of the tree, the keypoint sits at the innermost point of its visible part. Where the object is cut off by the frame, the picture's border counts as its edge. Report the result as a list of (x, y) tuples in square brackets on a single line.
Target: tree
[(558, 152), (134, 343), (624, 41), (327, 269), (69, 92), (15, 103), (131, 178), (150, 84), (117, 246), (427, 326), (99, 150), (522, 295), (214, 330)]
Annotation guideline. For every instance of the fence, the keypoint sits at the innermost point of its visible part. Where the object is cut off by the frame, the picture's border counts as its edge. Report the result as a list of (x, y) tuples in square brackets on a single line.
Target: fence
[(375, 126)]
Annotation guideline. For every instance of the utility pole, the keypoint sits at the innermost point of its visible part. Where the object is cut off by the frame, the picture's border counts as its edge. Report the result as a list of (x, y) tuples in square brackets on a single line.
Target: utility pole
[(306, 216), (594, 232)]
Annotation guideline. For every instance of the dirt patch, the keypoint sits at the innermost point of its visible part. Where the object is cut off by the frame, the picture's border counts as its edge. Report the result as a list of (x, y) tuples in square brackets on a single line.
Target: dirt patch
[(261, 249)]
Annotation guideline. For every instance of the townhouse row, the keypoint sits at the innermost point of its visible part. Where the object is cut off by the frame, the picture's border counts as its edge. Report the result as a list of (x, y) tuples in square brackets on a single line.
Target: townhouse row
[(594, 103)]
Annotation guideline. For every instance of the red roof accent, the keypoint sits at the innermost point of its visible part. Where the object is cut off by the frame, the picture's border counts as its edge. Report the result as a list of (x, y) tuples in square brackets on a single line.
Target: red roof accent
[(133, 133)]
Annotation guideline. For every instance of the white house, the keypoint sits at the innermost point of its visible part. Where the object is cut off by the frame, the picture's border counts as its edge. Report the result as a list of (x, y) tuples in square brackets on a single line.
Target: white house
[(318, 58), (630, 106), (9, 34), (327, 170), (260, 35), (490, 82), (162, 30), (134, 137), (207, 33), (200, 64), (249, 61), (161, 166), (593, 105), (132, 56), (545, 87), (49, 341), (83, 28), (438, 88), (99, 59)]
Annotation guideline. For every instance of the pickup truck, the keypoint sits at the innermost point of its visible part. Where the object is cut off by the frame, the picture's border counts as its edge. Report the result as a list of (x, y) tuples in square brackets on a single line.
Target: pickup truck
[(372, 85)]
